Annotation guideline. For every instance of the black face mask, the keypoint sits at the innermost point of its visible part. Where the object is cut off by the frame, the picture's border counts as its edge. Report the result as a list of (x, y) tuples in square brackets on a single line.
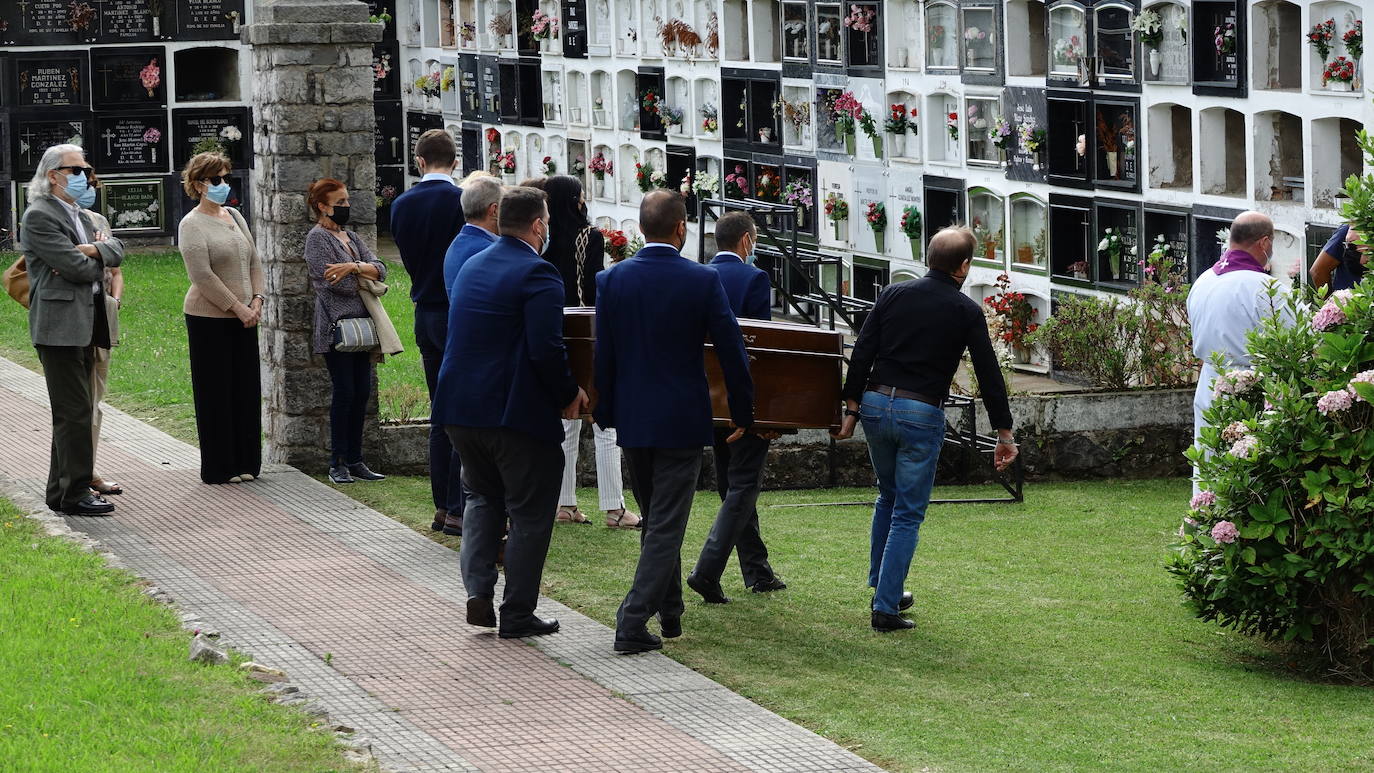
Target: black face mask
[(582, 210), (340, 216)]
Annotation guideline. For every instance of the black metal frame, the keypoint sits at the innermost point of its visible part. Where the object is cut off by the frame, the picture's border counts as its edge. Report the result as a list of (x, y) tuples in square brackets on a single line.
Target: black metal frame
[(771, 218)]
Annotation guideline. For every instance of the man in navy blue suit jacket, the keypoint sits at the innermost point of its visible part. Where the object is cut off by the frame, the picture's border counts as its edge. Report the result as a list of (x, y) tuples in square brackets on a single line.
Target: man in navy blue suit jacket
[(653, 314), (503, 386), (481, 203), (424, 221), (739, 465)]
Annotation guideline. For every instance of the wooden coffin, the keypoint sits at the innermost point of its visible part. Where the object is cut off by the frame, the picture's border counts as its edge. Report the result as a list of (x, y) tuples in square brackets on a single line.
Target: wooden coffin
[(796, 370)]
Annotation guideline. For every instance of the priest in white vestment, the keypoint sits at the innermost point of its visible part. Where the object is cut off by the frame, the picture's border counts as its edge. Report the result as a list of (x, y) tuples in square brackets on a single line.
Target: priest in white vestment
[(1228, 301)]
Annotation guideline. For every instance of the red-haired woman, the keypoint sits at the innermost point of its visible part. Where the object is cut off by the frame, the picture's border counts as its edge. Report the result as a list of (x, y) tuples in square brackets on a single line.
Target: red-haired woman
[(337, 258)]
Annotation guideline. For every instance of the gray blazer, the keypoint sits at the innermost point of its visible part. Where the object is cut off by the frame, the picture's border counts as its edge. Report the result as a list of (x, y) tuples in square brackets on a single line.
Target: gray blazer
[(61, 301)]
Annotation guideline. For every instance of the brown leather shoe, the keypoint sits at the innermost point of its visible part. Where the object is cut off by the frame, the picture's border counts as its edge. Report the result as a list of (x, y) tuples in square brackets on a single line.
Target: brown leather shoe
[(440, 515), (453, 525)]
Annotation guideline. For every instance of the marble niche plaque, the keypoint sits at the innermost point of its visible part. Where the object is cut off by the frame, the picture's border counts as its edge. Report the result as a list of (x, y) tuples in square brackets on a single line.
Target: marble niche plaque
[(389, 137), (228, 128), (417, 124), (128, 21), (128, 79), (49, 22), (50, 80), (209, 19), (32, 135), (135, 206), (131, 143)]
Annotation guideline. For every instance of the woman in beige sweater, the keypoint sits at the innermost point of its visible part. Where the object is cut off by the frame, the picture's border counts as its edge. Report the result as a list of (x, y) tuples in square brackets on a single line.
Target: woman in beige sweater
[(223, 307)]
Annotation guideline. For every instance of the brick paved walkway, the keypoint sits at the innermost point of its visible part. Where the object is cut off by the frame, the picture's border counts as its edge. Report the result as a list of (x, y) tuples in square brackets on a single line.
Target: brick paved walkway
[(289, 570)]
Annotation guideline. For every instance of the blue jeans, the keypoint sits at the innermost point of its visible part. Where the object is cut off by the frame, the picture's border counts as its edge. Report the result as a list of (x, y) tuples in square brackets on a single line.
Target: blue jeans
[(904, 439)]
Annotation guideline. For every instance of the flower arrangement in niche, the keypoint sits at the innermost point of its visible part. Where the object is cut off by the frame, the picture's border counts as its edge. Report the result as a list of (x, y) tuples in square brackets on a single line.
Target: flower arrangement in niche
[(543, 26), (672, 116), (468, 32), (973, 34), (798, 114), (646, 177), (150, 76), (230, 134), (936, 35), (799, 194), (1068, 50), (617, 244), (1012, 313), (500, 25), (548, 166), (911, 222), (1114, 247), (1354, 40), (736, 182), (710, 118), (1224, 39), (706, 184), (1320, 37), (1340, 69), (447, 79), (952, 126), (152, 135), (846, 110), (80, 16), (506, 162), (1000, 133), (836, 210), (381, 66), (600, 166), (428, 85), (579, 164), (651, 103), (897, 121), (768, 183), (876, 216), (1149, 28), (860, 18)]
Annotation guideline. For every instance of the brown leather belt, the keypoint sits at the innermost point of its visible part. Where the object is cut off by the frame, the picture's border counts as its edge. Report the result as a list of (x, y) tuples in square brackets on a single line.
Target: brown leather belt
[(901, 394)]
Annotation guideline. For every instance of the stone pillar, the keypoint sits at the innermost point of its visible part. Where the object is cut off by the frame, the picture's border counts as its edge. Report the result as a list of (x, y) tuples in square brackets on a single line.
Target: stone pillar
[(312, 104)]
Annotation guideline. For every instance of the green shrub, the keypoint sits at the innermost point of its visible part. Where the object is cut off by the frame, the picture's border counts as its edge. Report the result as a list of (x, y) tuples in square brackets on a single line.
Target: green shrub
[(1279, 543)]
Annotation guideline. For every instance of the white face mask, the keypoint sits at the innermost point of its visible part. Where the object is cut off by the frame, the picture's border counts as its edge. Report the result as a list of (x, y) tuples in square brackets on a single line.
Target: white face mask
[(545, 248)]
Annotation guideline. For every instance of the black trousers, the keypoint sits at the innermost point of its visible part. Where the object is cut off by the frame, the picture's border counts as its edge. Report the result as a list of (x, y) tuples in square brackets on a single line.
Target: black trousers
[(507, 473), (664, 481), (351, 375), (67, 371), (227, 388), (739, 476), (445, 465)]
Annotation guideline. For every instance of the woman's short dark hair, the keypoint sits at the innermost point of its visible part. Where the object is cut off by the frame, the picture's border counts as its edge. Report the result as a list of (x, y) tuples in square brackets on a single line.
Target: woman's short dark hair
[(520, 207), (733, 227)]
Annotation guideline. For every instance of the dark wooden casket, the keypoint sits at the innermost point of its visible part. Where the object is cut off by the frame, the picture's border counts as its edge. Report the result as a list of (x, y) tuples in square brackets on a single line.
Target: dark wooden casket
[(796, 370)]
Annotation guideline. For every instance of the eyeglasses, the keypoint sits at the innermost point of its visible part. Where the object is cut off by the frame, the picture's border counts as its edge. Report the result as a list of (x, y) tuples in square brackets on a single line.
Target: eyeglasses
[(89, 171), (216, 180)]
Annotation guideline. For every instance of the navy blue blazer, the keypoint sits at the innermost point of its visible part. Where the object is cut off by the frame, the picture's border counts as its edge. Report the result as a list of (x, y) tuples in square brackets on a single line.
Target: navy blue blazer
[(746, 286), (424, 221), (505, 364), (653, 314), (469, 241)]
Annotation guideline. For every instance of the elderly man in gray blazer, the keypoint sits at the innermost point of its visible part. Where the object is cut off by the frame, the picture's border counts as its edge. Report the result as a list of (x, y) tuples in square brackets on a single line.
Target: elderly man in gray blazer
[(67, 257)]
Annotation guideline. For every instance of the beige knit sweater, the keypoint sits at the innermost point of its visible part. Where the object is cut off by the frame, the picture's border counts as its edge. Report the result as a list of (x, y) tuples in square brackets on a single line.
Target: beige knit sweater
[(221, 261)]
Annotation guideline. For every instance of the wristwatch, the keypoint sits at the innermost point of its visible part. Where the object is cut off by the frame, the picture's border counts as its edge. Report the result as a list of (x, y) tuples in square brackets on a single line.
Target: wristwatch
[(851, 412)]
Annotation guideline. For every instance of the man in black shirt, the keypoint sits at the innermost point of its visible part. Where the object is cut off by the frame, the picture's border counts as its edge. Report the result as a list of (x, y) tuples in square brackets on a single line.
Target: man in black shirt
[(899, 376)]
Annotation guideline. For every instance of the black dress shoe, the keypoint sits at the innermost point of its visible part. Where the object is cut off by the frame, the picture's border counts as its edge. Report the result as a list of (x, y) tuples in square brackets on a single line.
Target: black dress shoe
[(885, 622), (359, 471), (769, 585), (534, 626), (709, 589), (89, 505), (481, 612), (670, 626), (340, 474), (903, 605), (638, 641), (439, 518)]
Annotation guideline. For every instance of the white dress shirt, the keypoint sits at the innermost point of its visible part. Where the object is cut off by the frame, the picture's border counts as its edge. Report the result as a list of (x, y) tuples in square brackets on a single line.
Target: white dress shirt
[(439, 176), (83, 237)]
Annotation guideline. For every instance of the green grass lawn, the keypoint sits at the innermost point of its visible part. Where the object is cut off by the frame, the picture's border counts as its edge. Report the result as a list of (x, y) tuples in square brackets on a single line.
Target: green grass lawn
[(1049, 637), (150, 374), (94, 677)]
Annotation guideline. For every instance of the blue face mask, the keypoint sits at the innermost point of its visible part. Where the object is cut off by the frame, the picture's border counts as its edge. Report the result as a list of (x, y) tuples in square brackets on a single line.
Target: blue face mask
[(87, 199), (218, 193), (77, 186), (753, 255)]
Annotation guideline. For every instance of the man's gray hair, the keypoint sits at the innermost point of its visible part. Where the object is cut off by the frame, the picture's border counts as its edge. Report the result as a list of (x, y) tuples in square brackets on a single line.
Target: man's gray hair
[(478, 195), (39, 186)]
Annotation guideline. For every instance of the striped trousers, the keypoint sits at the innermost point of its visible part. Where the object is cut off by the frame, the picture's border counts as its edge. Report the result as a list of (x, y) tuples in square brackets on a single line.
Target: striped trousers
[(609, 484)]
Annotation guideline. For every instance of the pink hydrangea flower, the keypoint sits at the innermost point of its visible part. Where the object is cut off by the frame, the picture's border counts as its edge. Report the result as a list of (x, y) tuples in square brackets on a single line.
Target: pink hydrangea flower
[(1336, 400), (1242, 448), (1225, 532), (1234, 431), (1235, 382), (1203, 499), (1329, 316), (1363, 377), (1342, 296)]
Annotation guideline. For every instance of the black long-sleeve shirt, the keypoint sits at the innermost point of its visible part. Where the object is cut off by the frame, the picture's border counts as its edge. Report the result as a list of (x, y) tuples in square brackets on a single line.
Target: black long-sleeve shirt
[(914, 338)]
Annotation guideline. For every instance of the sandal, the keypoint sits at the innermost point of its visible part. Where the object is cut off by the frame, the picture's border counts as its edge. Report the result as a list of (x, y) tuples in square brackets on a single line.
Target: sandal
[(102, 488), (622, 519), (570, 515)]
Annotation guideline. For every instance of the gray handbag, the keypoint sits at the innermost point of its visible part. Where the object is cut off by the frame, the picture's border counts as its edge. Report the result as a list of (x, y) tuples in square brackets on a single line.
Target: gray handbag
[(358, 334)]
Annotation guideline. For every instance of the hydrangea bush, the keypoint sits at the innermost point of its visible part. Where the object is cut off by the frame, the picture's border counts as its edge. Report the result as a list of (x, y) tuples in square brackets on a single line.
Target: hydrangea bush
[(1279, 543)]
